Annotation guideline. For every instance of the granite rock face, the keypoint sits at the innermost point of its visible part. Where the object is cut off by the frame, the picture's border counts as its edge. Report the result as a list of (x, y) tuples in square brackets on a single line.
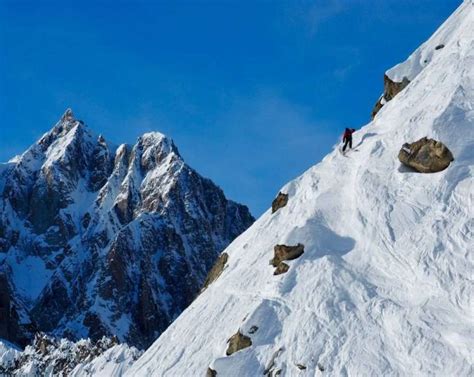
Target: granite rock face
[(100, 240)]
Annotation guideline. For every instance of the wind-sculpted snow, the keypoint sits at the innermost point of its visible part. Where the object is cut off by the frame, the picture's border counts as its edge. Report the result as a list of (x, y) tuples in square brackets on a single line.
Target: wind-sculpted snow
[(384, 287), (97, 240)]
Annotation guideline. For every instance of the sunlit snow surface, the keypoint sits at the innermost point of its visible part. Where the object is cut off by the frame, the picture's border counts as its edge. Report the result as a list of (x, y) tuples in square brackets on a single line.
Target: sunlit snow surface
[(384, 286)]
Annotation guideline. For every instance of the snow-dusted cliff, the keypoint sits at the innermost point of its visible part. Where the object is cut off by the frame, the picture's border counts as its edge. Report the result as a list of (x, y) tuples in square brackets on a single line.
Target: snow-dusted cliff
[(384, 286), (97, 240)]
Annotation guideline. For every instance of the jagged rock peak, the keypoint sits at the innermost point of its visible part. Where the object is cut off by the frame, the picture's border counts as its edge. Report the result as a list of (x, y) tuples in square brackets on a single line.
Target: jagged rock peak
[(68, 115), (66, 123)]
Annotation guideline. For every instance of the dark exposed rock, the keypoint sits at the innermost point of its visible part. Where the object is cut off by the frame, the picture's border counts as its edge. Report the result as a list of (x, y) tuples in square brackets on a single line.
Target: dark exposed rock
[(426, 155), (10, 327), (86, 219), (390, 90), (216, 270), (281, 268), (279, 202), (253, 330), (284, 252), (55, 297), (320, 367), (96, 328), (439, 47), (211, 373), (42, 343), (237, 342), (101, 165), (301, 366)]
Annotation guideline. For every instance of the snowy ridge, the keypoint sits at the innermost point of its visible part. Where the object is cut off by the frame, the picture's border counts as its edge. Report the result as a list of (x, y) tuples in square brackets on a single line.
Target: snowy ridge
[(384, 286)]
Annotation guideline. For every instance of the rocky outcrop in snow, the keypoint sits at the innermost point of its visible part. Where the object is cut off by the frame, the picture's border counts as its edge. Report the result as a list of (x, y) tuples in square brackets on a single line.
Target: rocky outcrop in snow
[(97, 240), (279, 202), (390, 90), (237, 342), (426, 155), (284, 252), (216, 270)]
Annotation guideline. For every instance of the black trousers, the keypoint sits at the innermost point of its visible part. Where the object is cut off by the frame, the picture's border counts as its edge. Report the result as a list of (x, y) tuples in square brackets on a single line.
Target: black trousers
[(347, 141)]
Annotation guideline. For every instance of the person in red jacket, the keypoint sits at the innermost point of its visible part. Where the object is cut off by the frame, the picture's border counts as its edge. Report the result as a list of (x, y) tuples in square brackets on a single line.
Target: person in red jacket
[(347, 138)]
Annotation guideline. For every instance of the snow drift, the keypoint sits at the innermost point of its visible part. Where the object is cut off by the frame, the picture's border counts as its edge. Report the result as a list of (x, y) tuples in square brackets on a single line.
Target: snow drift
[(384, 286)]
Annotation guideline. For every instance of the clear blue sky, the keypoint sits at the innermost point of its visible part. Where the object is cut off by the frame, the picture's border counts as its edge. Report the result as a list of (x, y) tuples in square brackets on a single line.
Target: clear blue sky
[(253, 93)]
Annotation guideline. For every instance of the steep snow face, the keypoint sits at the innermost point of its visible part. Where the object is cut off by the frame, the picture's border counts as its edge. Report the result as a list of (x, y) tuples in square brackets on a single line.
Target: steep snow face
[(98, 241), (451, 32), (384, 286)]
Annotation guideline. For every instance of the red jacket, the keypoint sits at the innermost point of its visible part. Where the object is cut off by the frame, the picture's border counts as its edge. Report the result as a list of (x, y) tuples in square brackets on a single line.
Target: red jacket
[(348, 133)]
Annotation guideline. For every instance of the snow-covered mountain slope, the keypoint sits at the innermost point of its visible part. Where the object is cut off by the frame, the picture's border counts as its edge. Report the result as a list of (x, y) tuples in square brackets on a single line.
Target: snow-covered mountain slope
[(398, 77), (97, 240), (8, 355), (49, 357), (385, 283)]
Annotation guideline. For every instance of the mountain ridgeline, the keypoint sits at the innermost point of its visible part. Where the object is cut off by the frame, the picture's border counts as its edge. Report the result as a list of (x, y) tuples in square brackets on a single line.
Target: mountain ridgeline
[(102, 241)]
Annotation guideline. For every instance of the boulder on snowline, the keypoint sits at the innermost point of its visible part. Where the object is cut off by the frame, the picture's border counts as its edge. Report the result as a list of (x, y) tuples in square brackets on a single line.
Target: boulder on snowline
[(426, 155), (281, 268), (211, 372), (216, 270), (284, 252), (237, 342), (279, 202)]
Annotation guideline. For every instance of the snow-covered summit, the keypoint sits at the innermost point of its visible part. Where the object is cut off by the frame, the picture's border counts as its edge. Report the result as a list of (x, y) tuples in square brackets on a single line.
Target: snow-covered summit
[(384, 282)]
